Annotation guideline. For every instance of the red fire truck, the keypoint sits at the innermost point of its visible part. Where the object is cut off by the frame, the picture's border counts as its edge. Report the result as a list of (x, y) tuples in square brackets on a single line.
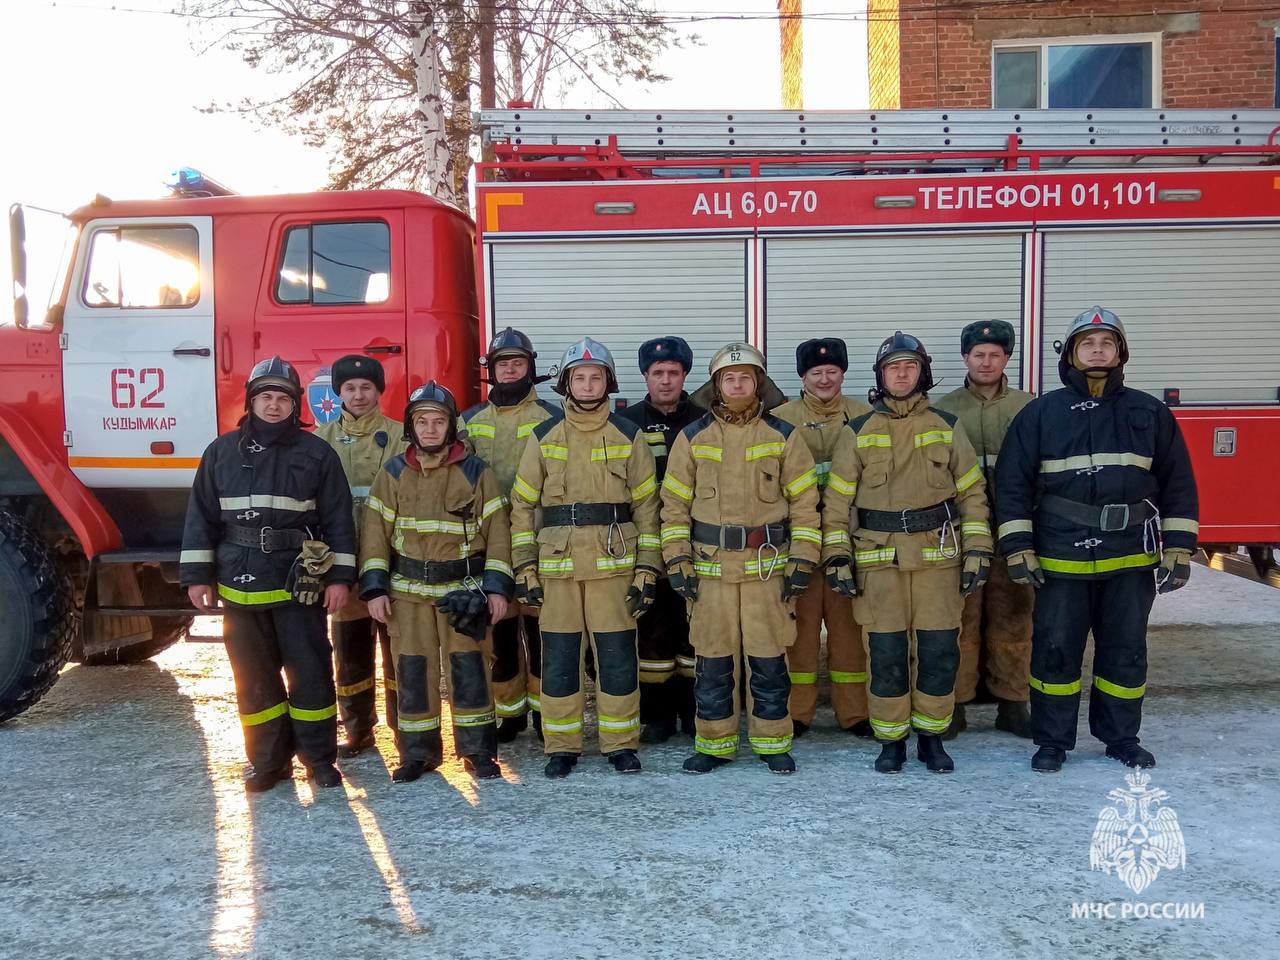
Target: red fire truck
[(108, 401)]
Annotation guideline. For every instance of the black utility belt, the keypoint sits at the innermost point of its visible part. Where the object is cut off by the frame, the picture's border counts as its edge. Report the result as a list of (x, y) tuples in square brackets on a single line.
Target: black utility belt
[(266, 539), (1109, 518), (909, 521), (438, 571), (732, 536), (586, 514)]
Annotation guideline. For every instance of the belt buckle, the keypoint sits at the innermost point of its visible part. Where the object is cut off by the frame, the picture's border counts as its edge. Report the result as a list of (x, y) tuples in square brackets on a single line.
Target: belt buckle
[(1108, 510), (902, 518), (262, 539), (737, 528), (573, 514)]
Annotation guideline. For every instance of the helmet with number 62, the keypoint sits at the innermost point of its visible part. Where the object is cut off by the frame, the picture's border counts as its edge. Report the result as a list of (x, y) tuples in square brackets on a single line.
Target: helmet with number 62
[(736, 354)]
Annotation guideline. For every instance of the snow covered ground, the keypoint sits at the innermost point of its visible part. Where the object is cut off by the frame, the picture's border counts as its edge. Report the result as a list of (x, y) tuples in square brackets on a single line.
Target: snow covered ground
[(124, 832)]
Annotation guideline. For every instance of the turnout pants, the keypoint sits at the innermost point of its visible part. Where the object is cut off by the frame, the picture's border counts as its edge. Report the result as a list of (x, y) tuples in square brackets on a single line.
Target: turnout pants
[(354, 643), (995, 638), (911, 624), (293, 712), (846, 658), (1116, 610), (517, 664), (577, 614), (737, 628), (420, 636), (666, 658)]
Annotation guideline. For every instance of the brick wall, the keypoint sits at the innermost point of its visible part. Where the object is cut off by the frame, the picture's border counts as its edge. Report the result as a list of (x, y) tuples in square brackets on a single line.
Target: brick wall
[(1209, 59)]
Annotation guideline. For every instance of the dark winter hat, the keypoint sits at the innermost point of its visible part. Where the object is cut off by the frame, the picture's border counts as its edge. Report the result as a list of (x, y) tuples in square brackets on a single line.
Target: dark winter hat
[(665, 348), (998, 332), (814, 353), (357, 367)]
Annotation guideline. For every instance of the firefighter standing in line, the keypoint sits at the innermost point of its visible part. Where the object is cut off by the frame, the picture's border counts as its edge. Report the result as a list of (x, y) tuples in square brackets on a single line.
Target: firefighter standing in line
[(1096, 492), (995, 634), (593, 561), (741, 536), (497, 431), (269, 528), (666, 657), (364, 439), (920, 541), (820, 416), (435, 567)]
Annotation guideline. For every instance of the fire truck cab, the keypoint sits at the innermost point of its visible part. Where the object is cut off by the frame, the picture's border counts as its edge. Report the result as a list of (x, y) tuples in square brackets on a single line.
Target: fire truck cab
[(108, 402)]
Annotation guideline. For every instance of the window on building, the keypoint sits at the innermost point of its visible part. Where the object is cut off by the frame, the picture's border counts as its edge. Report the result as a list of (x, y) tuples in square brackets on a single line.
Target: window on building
[(1076, 72), (335, 263), (143, 267)]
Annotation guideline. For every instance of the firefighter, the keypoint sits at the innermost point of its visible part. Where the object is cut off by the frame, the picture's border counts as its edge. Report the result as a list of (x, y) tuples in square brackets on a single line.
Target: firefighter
[(435, 567), (590, 558), (497, 430), (740, 536), (920, 542), (365, 439), (820, 415), (1096, 492), (995, 634), (666, 657), (269, 528)]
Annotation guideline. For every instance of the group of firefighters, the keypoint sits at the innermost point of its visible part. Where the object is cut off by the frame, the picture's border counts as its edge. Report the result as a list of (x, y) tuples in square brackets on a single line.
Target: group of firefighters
[(688, 551)]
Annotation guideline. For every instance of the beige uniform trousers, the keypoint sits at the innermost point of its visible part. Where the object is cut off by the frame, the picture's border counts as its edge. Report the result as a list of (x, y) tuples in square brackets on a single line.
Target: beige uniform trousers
[(995, 638), (846, 656)]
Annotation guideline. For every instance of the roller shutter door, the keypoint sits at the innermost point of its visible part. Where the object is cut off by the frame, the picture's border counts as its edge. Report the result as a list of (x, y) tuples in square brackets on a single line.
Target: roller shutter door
[(1201, 307), (622, 293), (865, 288)]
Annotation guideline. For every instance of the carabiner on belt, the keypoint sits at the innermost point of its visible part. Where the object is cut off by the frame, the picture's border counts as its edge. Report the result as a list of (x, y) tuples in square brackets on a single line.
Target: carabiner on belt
[(948, 526), (622, 539), (773, 561)]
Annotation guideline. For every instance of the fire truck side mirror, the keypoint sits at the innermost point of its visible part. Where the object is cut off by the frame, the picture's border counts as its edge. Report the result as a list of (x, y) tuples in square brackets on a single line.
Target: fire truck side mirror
[(18, 263)]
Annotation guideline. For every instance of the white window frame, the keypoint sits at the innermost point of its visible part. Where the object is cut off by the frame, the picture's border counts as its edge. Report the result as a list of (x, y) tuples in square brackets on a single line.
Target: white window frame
[(1042, 45)]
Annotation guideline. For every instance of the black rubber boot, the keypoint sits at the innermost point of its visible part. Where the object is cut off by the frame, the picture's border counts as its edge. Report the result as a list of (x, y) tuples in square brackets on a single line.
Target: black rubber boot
[(782, 763), (536, 718), (1048, 760), (892, 756), (356, 746), (959, 723), (659, 731), (409, 771), (798, 729), (1014, 716), (703, 763), (511, 727), (682, 698), (624, 761), (325, 775), (930, 752), (861, 728), (1131, 755), (481, 767), (560, 765), (256, 781), (657, 712)]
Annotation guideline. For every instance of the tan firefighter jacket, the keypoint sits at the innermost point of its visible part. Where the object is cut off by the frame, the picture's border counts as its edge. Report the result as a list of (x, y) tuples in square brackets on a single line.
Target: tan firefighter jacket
[(904, 455), (819, 424), (436, 509), (594, 457), (497, 435), (985, 421), (363, 445), (749, 474)]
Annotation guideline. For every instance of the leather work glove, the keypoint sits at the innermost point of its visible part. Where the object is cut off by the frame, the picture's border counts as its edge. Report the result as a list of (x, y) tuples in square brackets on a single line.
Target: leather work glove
[(528, 586), (1174, 570), (977, 564), (840, 577), (306, 576), (644, 587), (1024, 568), (796, 578), (468, 612), (684, 580)]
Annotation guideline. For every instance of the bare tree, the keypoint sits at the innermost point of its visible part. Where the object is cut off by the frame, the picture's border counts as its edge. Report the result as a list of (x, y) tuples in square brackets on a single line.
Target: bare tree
[(387, 86)]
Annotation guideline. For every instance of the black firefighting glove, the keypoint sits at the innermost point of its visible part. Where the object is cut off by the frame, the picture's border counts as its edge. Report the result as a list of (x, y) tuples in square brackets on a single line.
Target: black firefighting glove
[(1024, 568), (1174, 570), (468, 612), (977, 564), (306, 577), (644, 587), (528, 586), (840, 577), (684, 579), (796, 578)]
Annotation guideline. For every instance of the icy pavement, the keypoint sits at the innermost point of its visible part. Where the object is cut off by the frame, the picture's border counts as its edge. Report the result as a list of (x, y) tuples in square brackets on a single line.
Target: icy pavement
[(116, 841)]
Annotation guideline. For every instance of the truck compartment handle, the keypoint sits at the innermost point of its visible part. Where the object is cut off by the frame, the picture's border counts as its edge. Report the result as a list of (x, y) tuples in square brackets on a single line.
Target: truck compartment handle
[(383, 348), (192, 352)]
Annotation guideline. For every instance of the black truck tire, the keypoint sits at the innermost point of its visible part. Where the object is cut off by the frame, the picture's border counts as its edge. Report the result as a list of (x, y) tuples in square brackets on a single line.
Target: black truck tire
[(37, 617)]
